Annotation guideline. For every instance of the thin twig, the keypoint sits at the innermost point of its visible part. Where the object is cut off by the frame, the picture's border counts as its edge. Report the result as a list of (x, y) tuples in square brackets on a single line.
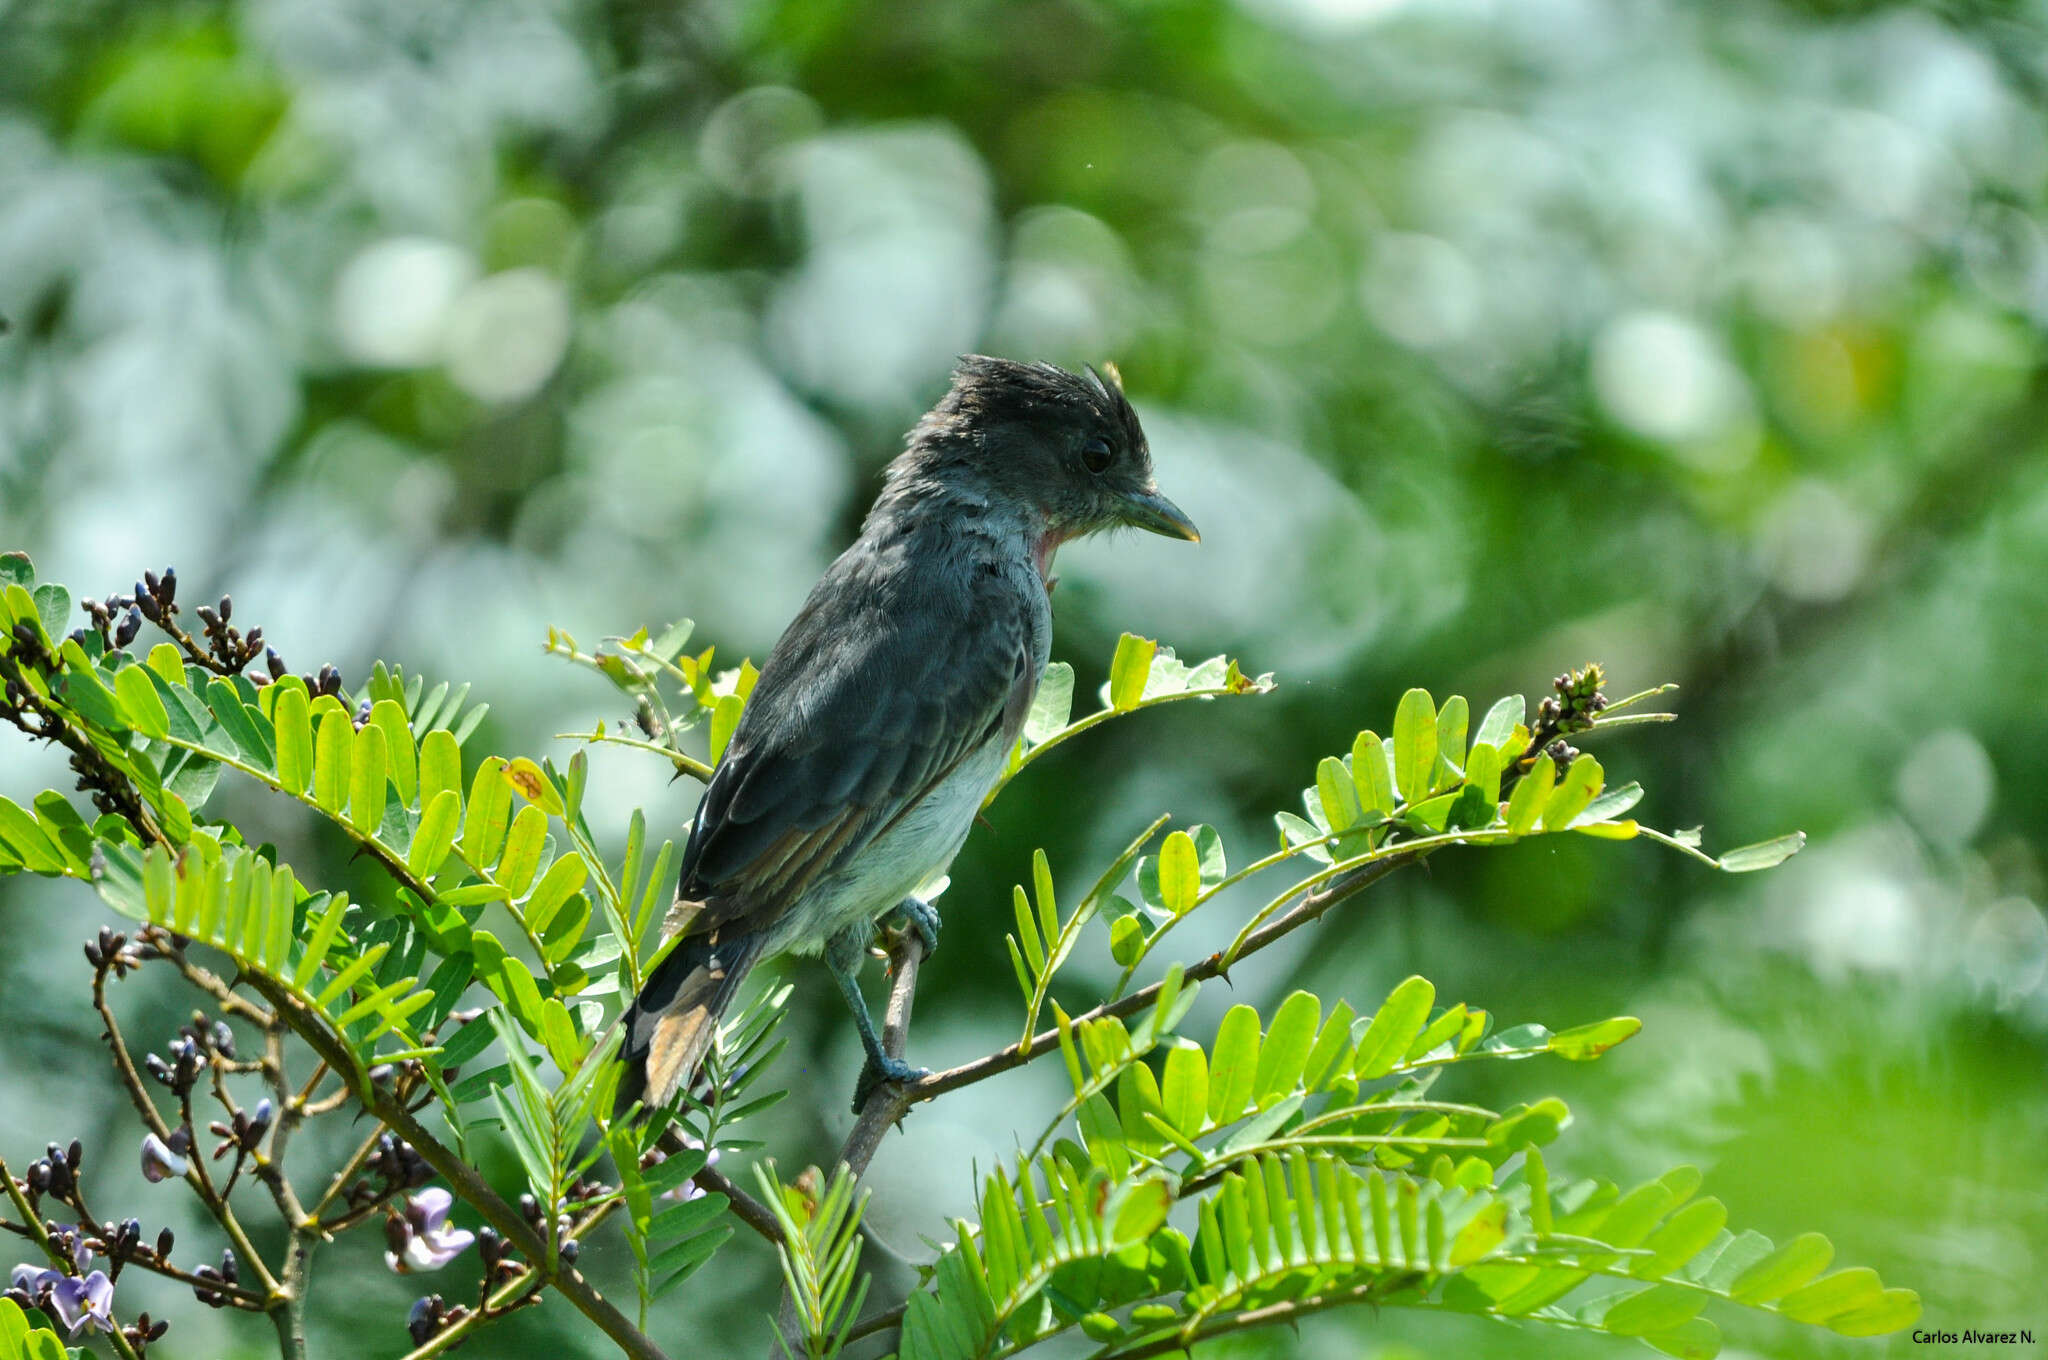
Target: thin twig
[(1310, 908), (347, 1173), (514, 1293), (878, 1322), (155, 1265), (744, 1206), (196, 1173), (294, 1278), (1175, 1343), (56, 1255), (465, 1181)]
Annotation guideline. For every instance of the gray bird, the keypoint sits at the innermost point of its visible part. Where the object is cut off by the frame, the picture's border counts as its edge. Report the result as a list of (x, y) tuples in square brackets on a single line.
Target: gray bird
[(885, 712)]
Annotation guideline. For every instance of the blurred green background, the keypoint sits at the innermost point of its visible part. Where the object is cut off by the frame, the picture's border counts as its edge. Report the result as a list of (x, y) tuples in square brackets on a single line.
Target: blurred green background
[(1481, 337)]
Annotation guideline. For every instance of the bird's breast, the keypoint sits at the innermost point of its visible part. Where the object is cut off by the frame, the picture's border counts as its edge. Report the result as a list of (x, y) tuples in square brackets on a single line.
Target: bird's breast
[(917, 848)]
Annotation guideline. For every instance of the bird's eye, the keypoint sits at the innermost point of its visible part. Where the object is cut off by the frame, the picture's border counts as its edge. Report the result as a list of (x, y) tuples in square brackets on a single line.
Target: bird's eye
[(1095, 455)]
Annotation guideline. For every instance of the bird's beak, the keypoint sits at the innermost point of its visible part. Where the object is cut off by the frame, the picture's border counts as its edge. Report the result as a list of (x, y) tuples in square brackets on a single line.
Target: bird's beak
[(1150, 510)]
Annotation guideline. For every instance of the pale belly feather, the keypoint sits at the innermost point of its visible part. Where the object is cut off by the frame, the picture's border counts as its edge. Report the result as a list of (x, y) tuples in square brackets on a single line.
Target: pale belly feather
[(919, 846)]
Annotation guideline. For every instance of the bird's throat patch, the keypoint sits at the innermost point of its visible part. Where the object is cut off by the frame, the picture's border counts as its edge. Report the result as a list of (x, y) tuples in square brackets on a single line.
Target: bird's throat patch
[(1049, 540)]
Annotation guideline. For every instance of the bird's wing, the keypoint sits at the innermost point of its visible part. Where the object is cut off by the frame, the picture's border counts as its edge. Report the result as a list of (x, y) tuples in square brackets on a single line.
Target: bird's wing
[(862, 710)]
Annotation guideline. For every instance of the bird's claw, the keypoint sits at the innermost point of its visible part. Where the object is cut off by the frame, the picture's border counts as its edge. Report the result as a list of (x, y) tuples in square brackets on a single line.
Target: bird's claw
[(920, 918), (888, 1070)]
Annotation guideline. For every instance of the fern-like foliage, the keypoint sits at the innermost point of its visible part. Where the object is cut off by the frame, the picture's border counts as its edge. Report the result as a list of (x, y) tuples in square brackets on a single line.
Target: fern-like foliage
[(820, 1252), (1324, 1171), (362, 985), (1187, 1187)]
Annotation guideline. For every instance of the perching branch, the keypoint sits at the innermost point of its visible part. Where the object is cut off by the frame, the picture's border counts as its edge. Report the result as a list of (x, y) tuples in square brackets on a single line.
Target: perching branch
[(743, 1206), (1309, 909), (889, 1102)]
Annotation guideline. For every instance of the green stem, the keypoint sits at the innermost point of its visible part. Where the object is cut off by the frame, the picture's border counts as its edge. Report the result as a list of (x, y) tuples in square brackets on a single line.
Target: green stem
[(688, 764), (33, 1222), (1096, 719), (1209, 893)]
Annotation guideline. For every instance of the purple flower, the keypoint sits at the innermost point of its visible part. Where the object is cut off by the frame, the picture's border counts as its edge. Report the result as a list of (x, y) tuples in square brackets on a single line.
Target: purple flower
[(422, 1239), (688, 1190), (82, 1305), (159, 1161), (85, 1305)]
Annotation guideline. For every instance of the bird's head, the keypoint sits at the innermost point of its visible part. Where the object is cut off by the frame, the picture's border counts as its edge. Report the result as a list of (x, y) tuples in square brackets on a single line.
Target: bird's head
[(1066, 446)]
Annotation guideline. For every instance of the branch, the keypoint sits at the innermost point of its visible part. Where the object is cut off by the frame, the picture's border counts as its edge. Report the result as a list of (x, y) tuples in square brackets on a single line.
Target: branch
[(1310, 908), (515, 1293), (143, 1259), (289, 1315), (1176, 1343), (885, 1105), (889, 1102), (138, 1095), (744, 1206), (465, 1180), (879, 1322)]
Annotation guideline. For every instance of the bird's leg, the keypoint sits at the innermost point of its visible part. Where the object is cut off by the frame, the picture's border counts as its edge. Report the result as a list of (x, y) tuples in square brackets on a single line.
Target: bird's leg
[(844, 953), (916, 914)]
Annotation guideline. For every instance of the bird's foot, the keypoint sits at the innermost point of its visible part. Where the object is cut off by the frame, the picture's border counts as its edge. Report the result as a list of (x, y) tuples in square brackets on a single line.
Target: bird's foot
[(917, 916), (888, 1070)]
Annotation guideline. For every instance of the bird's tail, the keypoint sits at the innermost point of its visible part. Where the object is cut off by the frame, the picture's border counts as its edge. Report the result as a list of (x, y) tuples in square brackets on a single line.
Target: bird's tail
[(671, 1023)]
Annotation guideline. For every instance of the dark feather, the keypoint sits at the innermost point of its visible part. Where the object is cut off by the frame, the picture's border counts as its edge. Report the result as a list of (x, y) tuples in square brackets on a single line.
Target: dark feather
[(860, 712)]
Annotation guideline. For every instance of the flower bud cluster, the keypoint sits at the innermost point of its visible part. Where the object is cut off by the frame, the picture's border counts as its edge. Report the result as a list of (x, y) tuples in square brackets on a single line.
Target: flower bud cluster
[(1577, 701), (226, 642), (109, 951), (228, 1272), (397, 1161), (242, 1131), (429, 1316), (55, 1173), (221, 646)]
